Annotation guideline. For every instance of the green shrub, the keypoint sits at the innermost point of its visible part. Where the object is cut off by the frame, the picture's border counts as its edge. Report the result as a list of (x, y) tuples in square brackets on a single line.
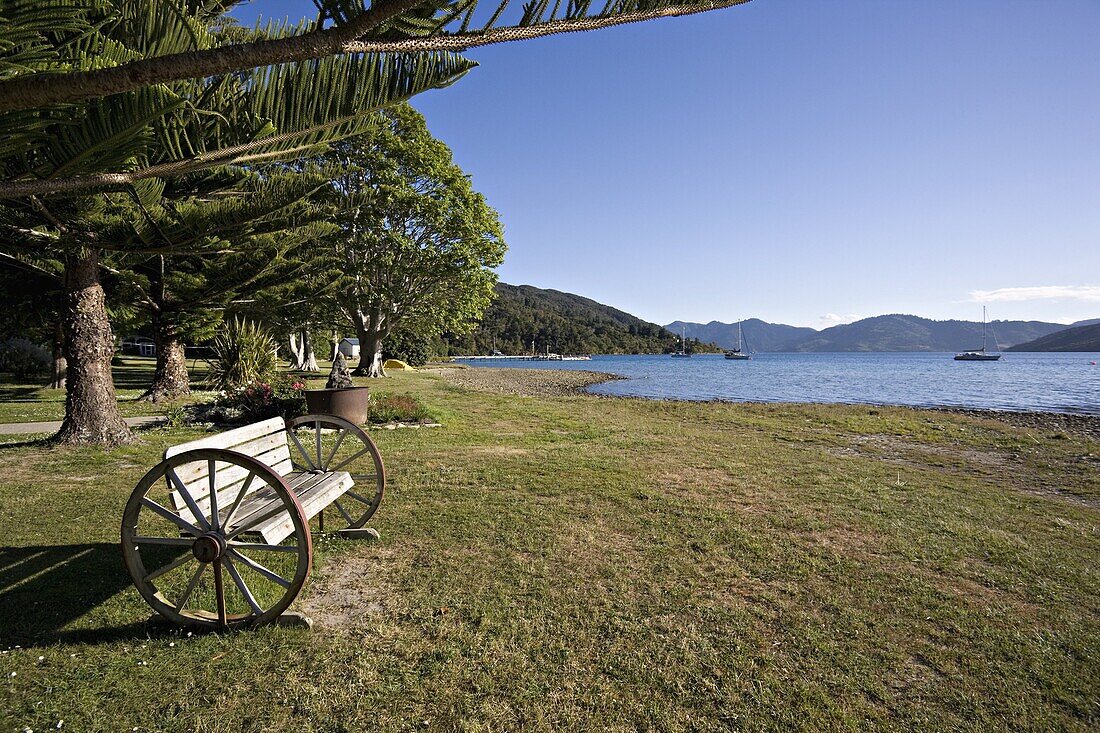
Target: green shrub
[(408, 347), (385, 408), (244, 352), (24, 359)]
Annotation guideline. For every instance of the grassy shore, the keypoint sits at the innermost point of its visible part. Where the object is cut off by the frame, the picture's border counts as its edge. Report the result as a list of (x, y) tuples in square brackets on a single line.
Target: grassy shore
[(553, 563)]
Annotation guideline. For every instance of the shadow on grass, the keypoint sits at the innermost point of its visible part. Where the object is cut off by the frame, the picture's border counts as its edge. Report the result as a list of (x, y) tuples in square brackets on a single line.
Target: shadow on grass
[(44, 589)]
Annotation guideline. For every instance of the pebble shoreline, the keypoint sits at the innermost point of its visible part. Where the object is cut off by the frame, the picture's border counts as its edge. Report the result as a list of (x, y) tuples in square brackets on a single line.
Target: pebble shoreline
[(560, 383), (525, 382)]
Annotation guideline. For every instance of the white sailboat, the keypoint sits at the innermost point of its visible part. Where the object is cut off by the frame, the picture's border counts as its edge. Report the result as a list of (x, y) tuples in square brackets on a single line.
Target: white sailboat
[(737, 353), (681, 353), (978, 354)]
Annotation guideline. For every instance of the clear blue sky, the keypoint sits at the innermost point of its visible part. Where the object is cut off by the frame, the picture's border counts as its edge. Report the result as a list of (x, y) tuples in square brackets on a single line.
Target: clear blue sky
[(801, 161)]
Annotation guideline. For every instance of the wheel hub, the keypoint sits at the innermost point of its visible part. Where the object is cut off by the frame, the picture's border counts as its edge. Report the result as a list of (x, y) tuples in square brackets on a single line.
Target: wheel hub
[(209, 547)]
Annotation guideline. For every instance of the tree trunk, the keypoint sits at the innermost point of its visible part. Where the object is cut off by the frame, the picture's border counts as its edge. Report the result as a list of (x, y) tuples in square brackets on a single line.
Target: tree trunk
[(297, 360), (91, 410), (309, 357), (368, 328), (171, 379), (57, 380)]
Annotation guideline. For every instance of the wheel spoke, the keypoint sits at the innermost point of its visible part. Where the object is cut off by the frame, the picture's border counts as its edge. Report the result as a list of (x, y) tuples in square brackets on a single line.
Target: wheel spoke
[(262, 547), (171, 516), (170, 541), (188, 499), (269, 574), (219, 590), (358, 497), (240, 497), (302, 450), (178, 562), (211, 474), (239, 582), (190, 587), (344, 511), (335, 447), (349, 460), (317, 439)]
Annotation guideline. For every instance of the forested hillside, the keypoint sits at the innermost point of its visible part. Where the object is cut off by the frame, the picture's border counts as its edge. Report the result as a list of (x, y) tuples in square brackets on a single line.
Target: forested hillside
[(564, 323), (899, 332), (757, 335), (1080, 338)]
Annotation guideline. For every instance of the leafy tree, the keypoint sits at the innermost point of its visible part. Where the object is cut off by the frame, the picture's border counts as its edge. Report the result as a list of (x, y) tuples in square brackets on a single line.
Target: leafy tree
[(154, 132), (417, 242)]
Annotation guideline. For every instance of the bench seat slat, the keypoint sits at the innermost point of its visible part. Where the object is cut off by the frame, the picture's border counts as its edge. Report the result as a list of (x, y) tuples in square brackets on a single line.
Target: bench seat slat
[(266, 441), (229, 479), (230, 438), (315, 491)]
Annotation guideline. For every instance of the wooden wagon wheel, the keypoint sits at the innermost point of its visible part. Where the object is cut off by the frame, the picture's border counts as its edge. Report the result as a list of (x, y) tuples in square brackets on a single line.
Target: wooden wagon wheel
[(330, 443), (203, 564)]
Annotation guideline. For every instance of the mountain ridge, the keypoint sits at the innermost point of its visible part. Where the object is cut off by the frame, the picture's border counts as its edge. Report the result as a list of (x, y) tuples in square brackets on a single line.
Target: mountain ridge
[(891, 332), (1075, 338)]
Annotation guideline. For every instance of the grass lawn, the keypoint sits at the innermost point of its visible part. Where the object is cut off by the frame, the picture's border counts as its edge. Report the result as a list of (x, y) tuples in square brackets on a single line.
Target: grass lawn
[(583, 563), (21, 402)]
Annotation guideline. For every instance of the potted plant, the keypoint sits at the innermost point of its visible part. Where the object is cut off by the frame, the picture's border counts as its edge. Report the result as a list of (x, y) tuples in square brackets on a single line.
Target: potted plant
[(340, 396)]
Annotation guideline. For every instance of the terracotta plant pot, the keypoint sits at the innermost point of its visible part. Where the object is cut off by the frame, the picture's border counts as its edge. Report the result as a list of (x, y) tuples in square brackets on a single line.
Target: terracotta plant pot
[(350, 403)]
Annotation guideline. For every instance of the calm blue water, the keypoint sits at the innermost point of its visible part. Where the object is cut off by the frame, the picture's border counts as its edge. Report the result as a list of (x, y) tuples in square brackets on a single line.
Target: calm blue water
[(1055, 382)]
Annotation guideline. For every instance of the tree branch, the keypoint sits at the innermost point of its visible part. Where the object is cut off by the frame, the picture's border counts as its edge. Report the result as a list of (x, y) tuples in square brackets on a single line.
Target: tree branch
[(37, 90)]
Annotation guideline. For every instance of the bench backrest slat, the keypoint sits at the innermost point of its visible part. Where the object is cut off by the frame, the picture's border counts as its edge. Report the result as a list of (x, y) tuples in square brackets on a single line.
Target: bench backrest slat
[(265, 441)]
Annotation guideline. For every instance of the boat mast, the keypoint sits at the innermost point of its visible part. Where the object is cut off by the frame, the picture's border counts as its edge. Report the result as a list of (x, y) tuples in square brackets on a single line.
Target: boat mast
[(739, 335), (983, 329)]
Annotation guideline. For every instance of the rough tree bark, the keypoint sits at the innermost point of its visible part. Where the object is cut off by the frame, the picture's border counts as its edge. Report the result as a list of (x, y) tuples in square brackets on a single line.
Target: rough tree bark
[(170, 379), (91, 409)]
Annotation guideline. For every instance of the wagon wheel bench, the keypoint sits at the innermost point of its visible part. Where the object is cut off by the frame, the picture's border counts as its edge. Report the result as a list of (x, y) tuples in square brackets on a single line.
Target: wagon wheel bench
[(218, 533)]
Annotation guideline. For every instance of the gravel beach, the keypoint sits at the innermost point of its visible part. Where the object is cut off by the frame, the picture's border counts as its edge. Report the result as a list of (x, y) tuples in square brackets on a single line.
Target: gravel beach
[(527, 382)]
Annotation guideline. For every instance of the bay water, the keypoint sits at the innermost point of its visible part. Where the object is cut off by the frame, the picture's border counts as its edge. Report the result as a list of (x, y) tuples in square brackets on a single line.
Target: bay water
[(1057, 382)]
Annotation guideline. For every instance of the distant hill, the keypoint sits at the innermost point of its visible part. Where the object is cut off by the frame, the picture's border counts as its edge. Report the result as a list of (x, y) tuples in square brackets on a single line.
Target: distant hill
[(1086, 322), (564, 322), (895, 332), (759, 335), (898, 332), (1078, 338)]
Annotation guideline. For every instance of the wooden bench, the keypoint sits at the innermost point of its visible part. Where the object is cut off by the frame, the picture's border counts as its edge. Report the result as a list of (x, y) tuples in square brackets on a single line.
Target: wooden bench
[(218, 533)]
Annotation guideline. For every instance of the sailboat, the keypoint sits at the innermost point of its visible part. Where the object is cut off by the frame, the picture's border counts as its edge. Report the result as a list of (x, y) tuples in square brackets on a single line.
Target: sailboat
[(681, 352), (737, 353), (978, 354)]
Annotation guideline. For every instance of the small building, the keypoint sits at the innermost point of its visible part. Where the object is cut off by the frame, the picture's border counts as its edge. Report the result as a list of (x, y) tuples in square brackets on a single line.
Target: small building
[(140, 345), (349, 348)]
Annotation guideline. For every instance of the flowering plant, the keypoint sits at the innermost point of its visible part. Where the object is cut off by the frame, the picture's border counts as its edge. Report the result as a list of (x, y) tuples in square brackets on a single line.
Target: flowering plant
[(259, 399)]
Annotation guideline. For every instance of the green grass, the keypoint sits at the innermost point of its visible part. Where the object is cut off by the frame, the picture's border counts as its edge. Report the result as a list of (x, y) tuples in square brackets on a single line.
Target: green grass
[(21, 402), (583, 563)]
